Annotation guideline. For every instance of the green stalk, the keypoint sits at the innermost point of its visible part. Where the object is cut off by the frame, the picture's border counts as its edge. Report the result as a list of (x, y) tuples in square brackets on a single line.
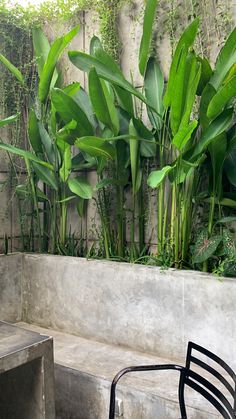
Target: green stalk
[(35, 202), (132, 231), (120, 227), (63, 220), (210, 226), (172, 219), (187, 218), (141, 221)]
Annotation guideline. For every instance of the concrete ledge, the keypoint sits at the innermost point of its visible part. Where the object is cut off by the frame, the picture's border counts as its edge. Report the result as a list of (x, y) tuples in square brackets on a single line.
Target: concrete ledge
[(140, 307), (84, 370)]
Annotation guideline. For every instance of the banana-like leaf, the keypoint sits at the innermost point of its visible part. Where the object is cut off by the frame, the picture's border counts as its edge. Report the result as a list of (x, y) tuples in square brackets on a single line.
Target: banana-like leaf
[(96, 147), (47, 143), (217, 151), (206, 73), (81, 187), (97, 51), (206, 97), (177, 101), (221, 98), (230, 166), (184, 134), (225, 60), (134, 146), (65, 170), (45, 175), (12, 69), (125, 100), (149, 16), (69, 110), (154, 88), (25, 154), (34, 134), (102, 102), (85, 62), (186, 41), (190, 88), (82, 99), (217, 127), (157, 176), (54, 54), (147, 143), (41, 51), (9, 120), (41, 48)]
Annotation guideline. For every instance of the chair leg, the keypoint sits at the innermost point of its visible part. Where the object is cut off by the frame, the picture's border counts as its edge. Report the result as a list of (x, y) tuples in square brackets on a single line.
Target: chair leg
[(112, 401)]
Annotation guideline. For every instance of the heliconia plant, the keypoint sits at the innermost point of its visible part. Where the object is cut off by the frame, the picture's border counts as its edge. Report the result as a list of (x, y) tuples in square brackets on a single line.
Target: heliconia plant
[(190, 136)]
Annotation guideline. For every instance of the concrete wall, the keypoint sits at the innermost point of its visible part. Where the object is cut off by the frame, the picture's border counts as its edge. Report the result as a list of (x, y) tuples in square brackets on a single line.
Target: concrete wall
[(130, 28), (10, 287), (139, 307)]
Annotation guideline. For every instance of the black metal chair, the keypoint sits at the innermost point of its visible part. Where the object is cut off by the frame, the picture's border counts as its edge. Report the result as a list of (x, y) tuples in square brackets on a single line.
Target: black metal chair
[(225, 404)]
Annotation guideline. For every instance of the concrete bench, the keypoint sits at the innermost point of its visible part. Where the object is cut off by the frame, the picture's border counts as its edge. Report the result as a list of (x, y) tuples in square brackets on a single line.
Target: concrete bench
[(26, 374), (84, 370)]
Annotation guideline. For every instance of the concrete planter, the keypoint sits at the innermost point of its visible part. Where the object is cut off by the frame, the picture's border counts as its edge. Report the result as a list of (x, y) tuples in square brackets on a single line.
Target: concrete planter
[(139, 307)]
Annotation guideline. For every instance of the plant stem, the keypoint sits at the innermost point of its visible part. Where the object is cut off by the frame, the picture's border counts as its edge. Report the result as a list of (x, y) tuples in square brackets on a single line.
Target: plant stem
[(210, 226), (35, 202)]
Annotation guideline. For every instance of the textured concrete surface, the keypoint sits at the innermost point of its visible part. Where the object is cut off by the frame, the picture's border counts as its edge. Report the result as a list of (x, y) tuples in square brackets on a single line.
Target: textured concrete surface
[(140, 307), (10, 287), (84, 370), (26, 374)]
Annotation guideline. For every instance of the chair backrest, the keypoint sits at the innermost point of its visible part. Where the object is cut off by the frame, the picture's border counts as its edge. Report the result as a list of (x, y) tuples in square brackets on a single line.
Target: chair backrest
[(221, 393)]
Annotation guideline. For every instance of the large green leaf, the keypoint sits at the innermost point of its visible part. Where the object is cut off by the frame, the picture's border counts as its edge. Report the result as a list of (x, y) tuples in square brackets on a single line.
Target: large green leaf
[(154, 87), (96, 147), (66, 165), (206, 73), (178, 98), (230, 166), (54, 54), (225, 60), (184, 134), (47, 143), (190, 87), (41, 48), (81, 187), (34, 134), (221, 98), (217, 127), (217, 151), (25, 154), (97, 51), (102, 102), (9, 120), (69, 110), (125, 99), (83, 100), (206, 97), (45, 175), (205, 247), (147, 143), (157, 176), (186, 41), (85, 62), (12, 69), (149, 17)]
